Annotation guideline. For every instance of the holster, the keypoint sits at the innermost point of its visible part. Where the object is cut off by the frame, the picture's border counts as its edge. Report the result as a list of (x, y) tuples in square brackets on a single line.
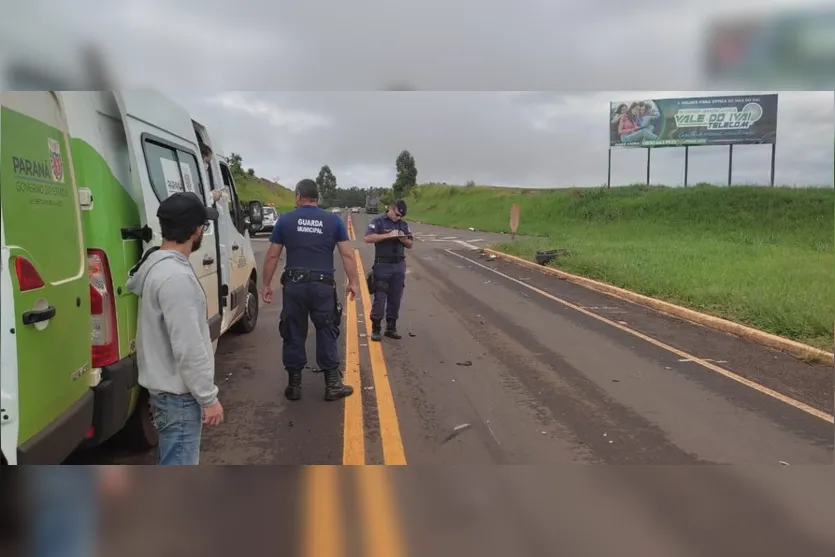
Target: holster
[(369, 280), (337, 307)]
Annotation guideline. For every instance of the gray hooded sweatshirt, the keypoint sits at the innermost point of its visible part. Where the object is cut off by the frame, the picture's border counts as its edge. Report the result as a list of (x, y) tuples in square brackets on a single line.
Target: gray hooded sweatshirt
[(173, 346)]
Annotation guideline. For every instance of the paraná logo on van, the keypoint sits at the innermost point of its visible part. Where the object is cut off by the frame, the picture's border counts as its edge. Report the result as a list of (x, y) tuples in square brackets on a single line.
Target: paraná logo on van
[(30, 169), (55, 159)]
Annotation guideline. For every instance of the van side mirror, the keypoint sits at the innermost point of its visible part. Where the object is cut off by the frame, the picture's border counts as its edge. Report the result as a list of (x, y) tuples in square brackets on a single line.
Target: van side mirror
[(256, 212)]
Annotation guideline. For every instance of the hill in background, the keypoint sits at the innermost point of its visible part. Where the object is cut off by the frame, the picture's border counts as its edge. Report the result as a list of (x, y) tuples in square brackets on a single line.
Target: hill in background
[(757, 255), (266, 191)]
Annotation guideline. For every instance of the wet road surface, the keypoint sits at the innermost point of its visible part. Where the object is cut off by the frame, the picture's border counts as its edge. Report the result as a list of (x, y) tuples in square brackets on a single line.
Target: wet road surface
[(503, 365)]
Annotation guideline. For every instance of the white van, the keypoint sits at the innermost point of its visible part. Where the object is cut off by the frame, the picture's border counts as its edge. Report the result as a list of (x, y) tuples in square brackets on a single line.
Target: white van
[(82, 174)]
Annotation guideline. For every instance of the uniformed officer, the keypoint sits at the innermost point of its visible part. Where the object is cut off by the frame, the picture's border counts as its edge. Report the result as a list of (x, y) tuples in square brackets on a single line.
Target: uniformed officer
[(390, 235), (310, 235)]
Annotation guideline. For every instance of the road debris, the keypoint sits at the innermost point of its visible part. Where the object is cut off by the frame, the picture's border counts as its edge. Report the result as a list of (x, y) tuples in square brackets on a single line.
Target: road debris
[(546, 256), (490, 429), (465, 363), (456, 431)]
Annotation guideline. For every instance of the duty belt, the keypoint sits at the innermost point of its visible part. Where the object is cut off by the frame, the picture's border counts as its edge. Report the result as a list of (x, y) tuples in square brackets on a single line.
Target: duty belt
[(389, 259), (307, 276)]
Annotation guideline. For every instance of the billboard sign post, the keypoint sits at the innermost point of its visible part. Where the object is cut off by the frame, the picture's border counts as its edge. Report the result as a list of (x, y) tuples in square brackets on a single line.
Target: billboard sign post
[(694, 122)]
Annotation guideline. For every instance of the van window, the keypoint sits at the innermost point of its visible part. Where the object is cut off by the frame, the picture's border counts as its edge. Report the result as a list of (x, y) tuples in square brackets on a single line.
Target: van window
[(172, 170), (236, 212)]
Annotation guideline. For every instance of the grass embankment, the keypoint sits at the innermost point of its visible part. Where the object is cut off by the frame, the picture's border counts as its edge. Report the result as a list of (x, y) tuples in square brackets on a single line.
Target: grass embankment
[(756, 255), (259, 189)]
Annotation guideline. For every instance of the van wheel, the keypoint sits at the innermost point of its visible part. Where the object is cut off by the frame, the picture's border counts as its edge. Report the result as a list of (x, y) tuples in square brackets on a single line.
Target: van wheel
[(250, 317), (139, 433)]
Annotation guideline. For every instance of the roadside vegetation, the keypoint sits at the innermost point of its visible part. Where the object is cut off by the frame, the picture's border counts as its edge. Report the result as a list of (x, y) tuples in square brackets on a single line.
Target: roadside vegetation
[(756, 255), (254, 188)]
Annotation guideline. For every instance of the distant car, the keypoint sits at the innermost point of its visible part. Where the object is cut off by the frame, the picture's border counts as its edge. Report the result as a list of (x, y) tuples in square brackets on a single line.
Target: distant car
[(355, 209), (270, 218), (336, 210)]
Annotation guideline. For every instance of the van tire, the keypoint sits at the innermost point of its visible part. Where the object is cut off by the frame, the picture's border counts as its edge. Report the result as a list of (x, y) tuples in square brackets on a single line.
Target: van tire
[(140, 434), (247, 322)]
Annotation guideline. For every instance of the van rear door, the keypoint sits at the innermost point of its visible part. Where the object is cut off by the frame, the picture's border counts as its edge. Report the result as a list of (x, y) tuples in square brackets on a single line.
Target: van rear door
[(166, 159), (45, 265)]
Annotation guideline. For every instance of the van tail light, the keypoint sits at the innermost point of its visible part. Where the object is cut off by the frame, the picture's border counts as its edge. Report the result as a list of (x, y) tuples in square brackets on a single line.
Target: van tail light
[(105, 337), (28, 277)]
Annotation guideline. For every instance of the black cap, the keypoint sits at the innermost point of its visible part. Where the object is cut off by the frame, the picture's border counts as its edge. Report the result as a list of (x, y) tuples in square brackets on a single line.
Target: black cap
[(400, 205), (185, 208)]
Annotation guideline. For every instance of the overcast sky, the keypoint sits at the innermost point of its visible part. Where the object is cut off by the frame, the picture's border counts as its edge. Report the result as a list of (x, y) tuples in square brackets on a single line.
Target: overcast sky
[(196, 50), (534, 139)]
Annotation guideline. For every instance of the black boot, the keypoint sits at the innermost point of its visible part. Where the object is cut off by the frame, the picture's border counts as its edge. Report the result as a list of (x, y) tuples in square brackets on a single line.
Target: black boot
[(376, 329), (335, 389), (294, 385), (391, 329)]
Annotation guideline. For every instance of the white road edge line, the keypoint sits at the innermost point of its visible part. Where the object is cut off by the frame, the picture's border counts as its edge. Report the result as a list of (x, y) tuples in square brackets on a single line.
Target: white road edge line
[(704, 363), (466, 245)]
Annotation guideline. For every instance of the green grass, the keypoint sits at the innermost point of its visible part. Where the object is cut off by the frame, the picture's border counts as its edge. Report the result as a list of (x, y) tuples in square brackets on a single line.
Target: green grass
[(259, 189), (756, 255)]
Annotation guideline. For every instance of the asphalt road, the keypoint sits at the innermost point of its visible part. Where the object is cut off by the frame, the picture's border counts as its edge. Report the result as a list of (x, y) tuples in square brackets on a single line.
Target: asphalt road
[(502, 365)]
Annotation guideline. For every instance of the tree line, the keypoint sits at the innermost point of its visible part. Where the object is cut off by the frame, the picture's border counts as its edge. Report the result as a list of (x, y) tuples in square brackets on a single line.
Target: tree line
[(330, 195)]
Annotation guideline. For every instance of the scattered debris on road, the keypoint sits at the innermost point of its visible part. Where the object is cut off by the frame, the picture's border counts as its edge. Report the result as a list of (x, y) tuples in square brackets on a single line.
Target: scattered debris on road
[(465, 363), (456, 431)]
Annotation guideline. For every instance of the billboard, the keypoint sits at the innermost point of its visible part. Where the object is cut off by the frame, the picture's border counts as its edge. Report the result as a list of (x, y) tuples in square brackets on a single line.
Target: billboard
[(730, 120)]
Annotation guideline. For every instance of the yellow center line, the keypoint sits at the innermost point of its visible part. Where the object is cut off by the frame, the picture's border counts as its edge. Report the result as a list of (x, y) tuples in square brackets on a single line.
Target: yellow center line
[(351, 234), (381, 533), (393, 452), (323, 534), (353, 444)]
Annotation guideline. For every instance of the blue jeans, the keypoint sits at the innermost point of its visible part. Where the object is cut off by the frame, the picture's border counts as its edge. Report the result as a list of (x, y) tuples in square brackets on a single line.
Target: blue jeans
[(179, 421), (64, 511), (640, 135)]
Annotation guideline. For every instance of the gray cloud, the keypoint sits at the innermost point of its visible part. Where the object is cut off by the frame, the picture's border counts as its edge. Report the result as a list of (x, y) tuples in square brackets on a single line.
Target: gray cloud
[(536, 139), (429, 45), (195, 50)]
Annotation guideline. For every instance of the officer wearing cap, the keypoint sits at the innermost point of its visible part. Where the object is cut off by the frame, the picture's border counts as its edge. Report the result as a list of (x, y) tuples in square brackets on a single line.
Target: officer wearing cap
[(391, 236), (310, 235)]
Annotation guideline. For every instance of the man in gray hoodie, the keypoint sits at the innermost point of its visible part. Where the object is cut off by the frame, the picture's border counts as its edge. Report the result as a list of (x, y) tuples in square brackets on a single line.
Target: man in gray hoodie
[(173, 347)]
